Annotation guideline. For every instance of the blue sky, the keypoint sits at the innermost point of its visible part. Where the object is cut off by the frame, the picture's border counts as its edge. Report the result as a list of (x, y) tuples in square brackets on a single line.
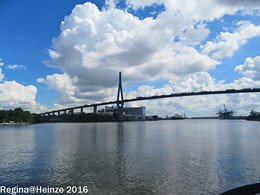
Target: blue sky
[(62, 53), (27, 30)]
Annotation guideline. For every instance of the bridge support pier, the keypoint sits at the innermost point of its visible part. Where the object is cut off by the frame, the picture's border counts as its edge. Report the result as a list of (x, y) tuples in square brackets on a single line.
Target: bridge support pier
[(81, 110), (95, 109), (120, 116)]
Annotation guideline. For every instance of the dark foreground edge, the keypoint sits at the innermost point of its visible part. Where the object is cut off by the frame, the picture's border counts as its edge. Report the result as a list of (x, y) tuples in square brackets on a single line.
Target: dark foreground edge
[(252, 189)]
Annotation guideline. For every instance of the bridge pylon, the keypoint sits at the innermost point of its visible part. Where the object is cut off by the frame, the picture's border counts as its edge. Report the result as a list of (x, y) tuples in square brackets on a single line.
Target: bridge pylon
[(120, 103)]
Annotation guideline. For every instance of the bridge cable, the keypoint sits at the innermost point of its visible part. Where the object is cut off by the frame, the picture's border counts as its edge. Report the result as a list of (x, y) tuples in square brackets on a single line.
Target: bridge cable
[(105, 93)]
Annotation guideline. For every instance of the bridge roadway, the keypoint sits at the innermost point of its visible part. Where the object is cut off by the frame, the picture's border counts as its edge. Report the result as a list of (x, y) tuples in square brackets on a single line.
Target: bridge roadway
[(228, 91)]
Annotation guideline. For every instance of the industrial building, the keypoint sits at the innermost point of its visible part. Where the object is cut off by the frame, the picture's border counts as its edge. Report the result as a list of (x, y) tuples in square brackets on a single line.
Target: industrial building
[(134, 114), (129, 113)]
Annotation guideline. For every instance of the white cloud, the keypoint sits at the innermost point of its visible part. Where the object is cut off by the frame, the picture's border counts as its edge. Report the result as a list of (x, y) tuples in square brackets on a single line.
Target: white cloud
[(15, 67), (94, 45), (189, 10), (195, 34), (62, 83), (1, 63), (248, 4), (146, 90), (1, 74), (136, 4), (53, 54), (200, 81), (250, 68), (188, 61), (227, 43), (15, 95), (198, 105), (199, 9)]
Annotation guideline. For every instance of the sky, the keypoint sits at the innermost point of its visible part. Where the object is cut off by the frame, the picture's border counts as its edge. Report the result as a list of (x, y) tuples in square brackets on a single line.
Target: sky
[(62, 53)]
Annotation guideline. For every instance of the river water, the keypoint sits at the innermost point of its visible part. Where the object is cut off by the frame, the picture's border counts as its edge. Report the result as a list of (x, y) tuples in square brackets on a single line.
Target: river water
[(151, 157)]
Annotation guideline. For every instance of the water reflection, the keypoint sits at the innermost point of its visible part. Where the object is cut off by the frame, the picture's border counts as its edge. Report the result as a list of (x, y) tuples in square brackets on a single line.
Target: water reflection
[(164, 157), (238, 155), (16, 154)]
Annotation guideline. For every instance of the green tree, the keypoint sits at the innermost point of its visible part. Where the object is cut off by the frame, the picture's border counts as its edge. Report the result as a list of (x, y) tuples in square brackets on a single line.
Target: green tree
[(17, 115)]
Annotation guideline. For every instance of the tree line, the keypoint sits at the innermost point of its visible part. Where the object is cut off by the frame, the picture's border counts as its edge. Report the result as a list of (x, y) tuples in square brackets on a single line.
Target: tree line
[(83, 117), (17, 116)]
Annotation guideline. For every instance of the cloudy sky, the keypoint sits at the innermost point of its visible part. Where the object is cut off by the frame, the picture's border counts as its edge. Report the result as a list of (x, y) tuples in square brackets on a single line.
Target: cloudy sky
[(63, 53)]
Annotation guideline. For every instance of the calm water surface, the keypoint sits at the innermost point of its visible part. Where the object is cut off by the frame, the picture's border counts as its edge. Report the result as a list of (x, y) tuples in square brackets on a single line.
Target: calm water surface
[(153, 157)]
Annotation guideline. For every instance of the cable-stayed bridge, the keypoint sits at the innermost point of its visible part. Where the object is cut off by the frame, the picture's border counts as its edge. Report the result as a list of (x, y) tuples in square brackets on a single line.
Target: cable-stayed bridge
[(121, 102)]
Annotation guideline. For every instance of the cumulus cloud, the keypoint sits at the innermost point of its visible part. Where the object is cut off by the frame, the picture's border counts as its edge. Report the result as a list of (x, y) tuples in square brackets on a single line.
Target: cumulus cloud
[(70, 93), (62, 83), (249, 4), (206, 9), (146, 90), (94, 45), (199, 9), (195, 34), (136, 4), (15, 95), (250, 68), (227, 43), (198, 105)]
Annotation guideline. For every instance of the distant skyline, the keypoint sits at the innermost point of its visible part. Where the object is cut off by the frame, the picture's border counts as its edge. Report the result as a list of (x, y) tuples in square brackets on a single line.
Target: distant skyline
[(62, 53)]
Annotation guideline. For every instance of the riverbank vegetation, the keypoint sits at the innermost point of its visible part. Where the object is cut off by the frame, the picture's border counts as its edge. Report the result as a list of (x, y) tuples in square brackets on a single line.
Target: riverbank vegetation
[(16, 116), (83, 117)]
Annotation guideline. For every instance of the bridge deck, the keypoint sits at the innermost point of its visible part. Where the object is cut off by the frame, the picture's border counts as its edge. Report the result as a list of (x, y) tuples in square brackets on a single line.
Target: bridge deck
[(228, 91)]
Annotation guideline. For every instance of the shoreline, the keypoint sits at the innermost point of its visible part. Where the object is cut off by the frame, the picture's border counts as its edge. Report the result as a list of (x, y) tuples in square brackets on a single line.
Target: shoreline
[(13, 124)]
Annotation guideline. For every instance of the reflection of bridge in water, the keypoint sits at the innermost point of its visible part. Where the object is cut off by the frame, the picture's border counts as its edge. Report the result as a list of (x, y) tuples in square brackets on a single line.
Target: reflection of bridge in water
[(121, 102)]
